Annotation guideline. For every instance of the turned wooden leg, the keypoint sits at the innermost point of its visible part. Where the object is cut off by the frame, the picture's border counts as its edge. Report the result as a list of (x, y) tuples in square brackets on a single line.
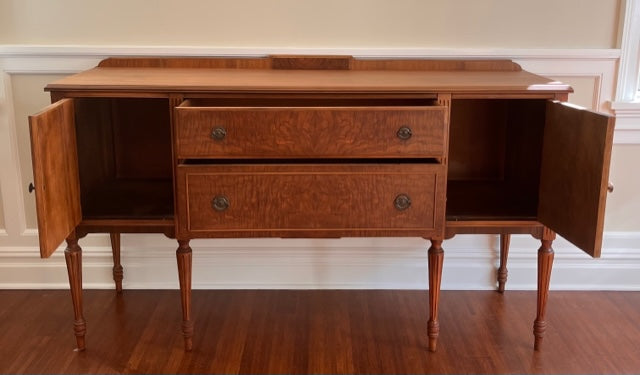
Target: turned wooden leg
[(436, 257), (545, 262), (183, 255), (504, 254), (118, 271), (73, 256)]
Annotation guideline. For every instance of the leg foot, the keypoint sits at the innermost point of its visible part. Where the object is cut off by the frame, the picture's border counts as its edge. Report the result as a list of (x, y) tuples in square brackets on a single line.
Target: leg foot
[(504, 254), (73, 257), (183, 255), (545, 263), (118, 271), (436, 257)]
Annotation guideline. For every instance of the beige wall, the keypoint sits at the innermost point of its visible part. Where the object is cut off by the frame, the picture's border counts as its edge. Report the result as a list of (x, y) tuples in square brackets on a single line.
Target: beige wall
[(29, 97), (623, 205), (314, 23)]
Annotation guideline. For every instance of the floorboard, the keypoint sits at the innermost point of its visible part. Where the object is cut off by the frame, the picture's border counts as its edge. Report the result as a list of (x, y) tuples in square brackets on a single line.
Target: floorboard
[(319, 331)]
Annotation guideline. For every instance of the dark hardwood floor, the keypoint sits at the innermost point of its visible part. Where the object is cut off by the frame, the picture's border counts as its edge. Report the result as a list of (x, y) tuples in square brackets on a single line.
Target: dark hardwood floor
[(351, 331)]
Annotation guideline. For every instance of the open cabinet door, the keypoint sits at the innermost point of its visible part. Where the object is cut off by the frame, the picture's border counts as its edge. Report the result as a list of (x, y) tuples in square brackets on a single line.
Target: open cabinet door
[(55, 174), (574, 175)]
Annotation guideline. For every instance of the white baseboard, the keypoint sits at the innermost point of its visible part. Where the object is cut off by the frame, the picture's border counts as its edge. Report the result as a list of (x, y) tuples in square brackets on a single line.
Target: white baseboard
[(470, 263)]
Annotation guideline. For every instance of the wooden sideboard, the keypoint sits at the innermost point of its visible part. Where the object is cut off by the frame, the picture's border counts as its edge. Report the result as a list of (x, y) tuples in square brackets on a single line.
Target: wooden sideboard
[(316, 146)]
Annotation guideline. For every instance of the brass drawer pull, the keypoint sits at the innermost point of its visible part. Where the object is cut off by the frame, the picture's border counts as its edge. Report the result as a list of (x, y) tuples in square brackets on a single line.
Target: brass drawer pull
[(220, 203), (404, 133), (218, 133), (402, 202)]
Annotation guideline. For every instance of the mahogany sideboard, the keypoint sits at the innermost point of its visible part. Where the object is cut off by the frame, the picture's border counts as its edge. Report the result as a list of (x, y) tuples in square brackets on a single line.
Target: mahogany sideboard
[(316, 146)]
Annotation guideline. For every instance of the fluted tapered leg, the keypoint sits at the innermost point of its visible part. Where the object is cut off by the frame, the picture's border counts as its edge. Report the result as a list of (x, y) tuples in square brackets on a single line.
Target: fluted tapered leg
[(73, 257), (118, 271), (436, 257), (183, 255), (504, 254), (545, 263)]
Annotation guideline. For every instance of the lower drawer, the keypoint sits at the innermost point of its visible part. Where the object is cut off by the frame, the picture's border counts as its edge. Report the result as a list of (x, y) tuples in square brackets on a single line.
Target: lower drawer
[(320, 200)]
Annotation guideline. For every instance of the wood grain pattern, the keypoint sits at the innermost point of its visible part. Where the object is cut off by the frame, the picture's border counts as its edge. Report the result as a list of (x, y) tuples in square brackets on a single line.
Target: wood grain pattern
[(296, 200), (124, 157), (524, 138), (545, 264), (444, 100), (118, 271), (309, 62), (436, 258), (307, 132), (477, 139), (142, 138), (497, 139), (575, 174), (184, 258), (73, 257), (95, 144), (321, 332), (503, 273), (306, 81), (436, 65), (453, 228), (55, 173), (186, 62), (165, 226), (494, 159)]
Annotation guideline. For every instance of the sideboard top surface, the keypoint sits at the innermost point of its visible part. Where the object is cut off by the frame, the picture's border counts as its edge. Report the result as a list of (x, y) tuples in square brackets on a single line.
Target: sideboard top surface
[(260, 80)]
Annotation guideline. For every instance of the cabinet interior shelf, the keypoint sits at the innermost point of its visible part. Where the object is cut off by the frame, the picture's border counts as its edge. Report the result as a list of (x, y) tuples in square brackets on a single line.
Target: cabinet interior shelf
[(130, 199), (488, 200)]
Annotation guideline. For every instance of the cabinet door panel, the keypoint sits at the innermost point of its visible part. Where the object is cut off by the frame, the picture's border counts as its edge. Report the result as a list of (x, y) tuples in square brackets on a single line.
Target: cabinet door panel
[(55, 173), (574, 174)]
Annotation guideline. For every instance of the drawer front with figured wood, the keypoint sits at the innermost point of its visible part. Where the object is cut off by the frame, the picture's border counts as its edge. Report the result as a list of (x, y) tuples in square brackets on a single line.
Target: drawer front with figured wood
[(320, 200), (310, 132)]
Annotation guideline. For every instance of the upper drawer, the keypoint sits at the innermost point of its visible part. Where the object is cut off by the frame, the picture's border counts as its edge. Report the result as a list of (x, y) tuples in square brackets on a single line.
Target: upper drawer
[(310, 132)]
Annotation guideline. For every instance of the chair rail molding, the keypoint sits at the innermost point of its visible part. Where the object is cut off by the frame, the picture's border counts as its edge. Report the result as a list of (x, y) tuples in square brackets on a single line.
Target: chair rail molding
[(297, 263)]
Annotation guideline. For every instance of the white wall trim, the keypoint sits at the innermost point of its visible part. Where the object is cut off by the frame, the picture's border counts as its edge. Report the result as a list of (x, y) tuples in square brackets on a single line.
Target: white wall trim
[(629, 53), (627, 122), (470, 263), (34, 59), (348, 263), (626, 106), (84, 51)]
